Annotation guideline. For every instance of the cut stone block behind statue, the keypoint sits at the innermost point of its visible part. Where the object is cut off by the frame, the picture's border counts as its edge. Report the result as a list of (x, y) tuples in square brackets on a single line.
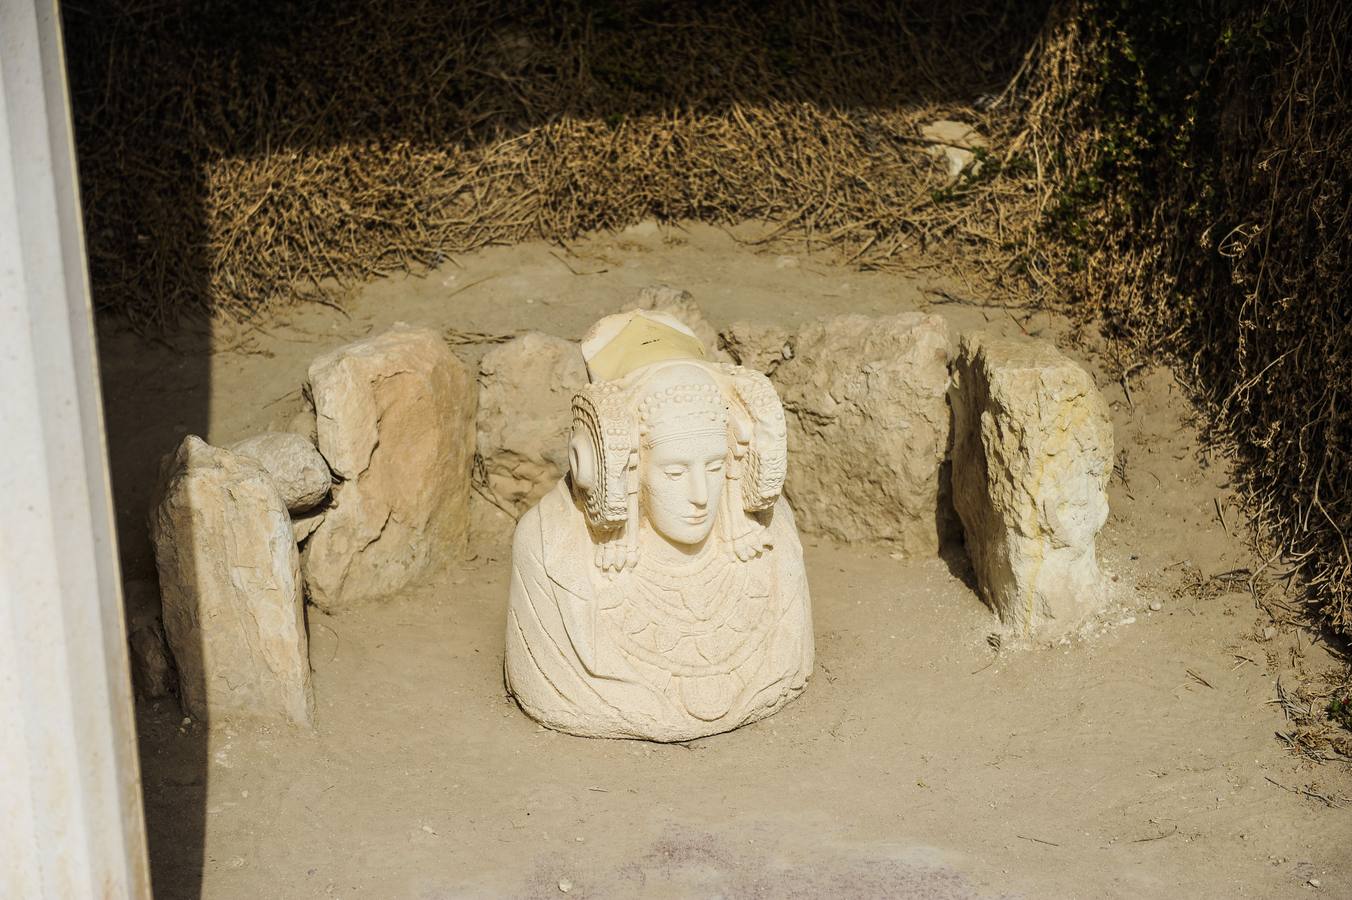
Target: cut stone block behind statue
[(659, 593), (230, 587), (1032, 455), (395, 421), (868, 425), (525, 387)]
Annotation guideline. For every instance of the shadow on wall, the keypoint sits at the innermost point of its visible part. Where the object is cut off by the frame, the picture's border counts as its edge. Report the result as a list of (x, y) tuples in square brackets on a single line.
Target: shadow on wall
[(233, 154)]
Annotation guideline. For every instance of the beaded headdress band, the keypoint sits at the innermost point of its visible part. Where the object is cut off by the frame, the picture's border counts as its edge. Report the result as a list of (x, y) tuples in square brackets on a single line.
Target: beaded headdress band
[(683, 411)]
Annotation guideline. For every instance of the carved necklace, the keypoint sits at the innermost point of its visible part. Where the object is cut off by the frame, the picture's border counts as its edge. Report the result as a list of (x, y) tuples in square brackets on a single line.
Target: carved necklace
[(697, 620)]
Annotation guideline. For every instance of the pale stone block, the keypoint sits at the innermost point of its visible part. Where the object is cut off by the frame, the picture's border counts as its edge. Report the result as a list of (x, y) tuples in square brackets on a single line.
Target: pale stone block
[(659, 592), (395, 419), (1032, 455), (869, 425), (524, 420), (299, 472), (230, 587)]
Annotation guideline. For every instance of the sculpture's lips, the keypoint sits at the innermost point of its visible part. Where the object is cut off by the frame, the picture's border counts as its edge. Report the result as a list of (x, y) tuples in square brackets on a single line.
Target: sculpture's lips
[(696, 518)]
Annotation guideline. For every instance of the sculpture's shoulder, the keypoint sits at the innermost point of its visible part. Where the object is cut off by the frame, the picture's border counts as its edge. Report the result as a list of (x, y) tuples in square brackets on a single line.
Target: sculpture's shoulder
[(553, 524)]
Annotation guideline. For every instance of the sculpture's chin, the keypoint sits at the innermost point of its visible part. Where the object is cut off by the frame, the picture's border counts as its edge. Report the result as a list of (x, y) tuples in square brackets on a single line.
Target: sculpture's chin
[(685, 535)]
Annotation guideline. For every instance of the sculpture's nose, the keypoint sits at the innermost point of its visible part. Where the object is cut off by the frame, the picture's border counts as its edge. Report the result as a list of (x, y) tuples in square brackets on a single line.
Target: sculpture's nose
[(699, 488)]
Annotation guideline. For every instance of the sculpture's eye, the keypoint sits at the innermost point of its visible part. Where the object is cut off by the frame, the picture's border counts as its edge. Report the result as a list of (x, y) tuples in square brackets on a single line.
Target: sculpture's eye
[(674, 472), (715, 466)]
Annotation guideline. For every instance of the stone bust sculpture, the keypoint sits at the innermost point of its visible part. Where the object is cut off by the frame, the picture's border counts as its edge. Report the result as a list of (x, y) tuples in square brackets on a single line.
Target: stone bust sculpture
[(658, 591)]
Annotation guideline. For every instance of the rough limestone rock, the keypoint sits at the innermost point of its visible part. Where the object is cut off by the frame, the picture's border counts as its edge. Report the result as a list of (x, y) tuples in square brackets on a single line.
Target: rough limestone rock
[(230, 586), (299, 472), (1032, 454), (955, 143), (679, 304), (395, 415), (868, 426), (152, 668), (526, 389), (757, 345)]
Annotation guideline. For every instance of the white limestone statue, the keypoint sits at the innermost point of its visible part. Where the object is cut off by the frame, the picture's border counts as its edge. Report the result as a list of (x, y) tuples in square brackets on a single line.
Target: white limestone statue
[(658, 591)]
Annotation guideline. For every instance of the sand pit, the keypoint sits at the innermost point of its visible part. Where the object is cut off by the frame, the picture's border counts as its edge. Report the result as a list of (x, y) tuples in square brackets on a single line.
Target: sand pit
[(1134, 759)]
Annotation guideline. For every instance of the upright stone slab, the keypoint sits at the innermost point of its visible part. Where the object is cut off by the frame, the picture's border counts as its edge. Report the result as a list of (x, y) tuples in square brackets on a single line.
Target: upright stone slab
[(230, 587), (1032, 454), (868, 423), (524, 420), (395, 421)]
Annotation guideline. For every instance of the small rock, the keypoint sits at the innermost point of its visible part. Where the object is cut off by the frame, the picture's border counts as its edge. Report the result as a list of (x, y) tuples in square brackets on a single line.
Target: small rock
[(526, 389), (304, 525), (1156, 606), (298, 471), (230, 584), (1269, 632), (786, 262), (1032, 454), (152, 667), (1314, 882), (565, 885)]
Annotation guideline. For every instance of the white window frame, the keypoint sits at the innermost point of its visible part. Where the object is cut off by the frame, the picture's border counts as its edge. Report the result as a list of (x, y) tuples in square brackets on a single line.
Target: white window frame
[(70, 790)]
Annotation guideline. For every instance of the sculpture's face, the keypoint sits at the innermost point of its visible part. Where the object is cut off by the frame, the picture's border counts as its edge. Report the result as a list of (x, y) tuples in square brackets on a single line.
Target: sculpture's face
[(682, 479)]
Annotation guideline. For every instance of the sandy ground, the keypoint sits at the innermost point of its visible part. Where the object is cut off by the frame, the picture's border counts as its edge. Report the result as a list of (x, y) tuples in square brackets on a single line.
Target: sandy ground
[(1137, 760)]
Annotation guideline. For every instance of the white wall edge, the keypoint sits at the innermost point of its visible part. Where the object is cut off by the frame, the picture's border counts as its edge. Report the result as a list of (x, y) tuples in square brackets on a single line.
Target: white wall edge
[(70, 795)]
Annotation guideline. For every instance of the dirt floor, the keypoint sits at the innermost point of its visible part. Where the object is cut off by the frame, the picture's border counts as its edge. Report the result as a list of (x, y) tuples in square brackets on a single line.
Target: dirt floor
[(1138, 759)]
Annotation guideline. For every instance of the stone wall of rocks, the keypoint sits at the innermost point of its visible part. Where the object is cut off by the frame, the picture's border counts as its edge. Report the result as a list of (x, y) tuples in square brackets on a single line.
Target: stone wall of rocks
[(895, 437), (367, 490)]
